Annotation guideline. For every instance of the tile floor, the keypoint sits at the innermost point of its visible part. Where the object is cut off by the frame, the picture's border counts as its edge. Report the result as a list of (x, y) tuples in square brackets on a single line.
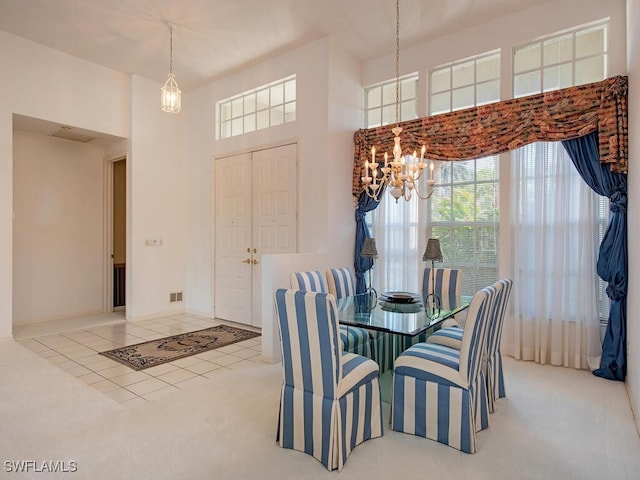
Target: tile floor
[(76, 351)]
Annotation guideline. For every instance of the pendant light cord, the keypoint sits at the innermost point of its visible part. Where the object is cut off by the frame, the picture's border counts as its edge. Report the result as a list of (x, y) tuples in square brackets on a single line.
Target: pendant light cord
[(397, 61), (171, 49)]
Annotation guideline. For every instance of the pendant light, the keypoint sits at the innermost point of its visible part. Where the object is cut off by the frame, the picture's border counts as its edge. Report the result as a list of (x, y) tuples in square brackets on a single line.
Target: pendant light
[(170, 99)]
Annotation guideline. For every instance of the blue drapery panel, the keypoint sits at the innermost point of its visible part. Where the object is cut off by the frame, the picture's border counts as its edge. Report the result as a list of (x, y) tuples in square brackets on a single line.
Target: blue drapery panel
[(362, 264), (612, 259)]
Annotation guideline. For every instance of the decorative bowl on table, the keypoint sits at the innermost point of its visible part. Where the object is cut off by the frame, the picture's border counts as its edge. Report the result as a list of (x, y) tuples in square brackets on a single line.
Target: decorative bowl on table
[(400, 297)]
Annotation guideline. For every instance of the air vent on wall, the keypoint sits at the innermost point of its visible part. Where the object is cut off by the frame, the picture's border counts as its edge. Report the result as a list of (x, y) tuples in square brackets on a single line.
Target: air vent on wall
[(175, 297), (69, 134)]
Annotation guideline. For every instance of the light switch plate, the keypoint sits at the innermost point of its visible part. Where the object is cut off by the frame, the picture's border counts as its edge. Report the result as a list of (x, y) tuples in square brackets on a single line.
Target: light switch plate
[(153, 242)]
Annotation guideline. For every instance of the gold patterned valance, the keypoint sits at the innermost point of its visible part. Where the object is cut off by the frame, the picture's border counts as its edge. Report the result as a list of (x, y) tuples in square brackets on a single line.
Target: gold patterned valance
[(502, 126)]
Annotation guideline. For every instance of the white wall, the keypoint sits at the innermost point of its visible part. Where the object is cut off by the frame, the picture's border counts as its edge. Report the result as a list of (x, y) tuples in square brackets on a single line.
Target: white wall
[(157, 205), (323, 131), (160, 185), (54, 86), (40, 82), (58, 251), (346, 115), (633, 214)]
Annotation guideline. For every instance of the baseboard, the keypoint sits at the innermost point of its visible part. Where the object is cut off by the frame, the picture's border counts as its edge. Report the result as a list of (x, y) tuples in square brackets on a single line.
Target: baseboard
[(59, 317)]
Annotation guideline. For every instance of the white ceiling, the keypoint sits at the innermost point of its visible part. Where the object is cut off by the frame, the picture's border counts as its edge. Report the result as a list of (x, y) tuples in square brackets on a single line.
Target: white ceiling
[(215, 37)]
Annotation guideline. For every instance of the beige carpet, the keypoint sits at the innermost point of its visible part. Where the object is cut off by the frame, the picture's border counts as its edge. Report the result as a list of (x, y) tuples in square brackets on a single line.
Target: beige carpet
[(556, 423), (156, 352)]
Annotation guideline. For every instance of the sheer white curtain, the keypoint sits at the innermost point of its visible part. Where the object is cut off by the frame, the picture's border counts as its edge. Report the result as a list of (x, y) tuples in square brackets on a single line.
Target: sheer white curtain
[(555, 247), (396, 228)]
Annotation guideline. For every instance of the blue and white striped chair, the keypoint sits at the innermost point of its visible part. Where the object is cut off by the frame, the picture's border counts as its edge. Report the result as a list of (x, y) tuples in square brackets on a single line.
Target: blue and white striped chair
[(439, 392), (330, 400), (448, 284), (495, 375), (354, 339), (447, 336), (452, 337), (342, 283), (313, 281)]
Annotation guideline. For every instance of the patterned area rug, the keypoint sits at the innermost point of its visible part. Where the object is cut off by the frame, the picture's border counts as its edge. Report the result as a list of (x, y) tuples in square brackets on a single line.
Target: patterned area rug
[(155, 352)]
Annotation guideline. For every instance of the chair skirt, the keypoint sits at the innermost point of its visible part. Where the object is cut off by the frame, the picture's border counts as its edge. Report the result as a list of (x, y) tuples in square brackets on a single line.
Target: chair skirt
[(452, 337), (329, 429), (495, 380), (455, 418)]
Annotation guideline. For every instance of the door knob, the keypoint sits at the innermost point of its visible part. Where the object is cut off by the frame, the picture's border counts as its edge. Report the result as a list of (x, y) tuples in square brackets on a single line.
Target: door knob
[(255, 250), (255, 262), (247, 260)]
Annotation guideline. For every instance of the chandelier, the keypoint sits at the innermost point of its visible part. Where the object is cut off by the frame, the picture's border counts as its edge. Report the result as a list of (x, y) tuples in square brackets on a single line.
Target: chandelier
[(403, 173), (170, 97)]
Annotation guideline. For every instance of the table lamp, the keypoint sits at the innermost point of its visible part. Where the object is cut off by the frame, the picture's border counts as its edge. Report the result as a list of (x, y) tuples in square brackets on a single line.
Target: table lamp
[(433, 253), (369, 250)]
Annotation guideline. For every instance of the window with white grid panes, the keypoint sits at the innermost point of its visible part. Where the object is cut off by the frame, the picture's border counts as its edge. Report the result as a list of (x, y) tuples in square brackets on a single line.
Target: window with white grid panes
[(464, 214), (465, 84), (380, 102), (567, 59), (262, 107), (564, 60), (464, 208)]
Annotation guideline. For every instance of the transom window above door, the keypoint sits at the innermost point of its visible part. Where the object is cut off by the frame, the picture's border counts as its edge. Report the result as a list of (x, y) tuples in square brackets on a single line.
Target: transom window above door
[(263, 107)]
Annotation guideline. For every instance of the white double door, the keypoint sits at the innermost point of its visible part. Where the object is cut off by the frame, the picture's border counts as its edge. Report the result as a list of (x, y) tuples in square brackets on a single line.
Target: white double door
[(255, 214)]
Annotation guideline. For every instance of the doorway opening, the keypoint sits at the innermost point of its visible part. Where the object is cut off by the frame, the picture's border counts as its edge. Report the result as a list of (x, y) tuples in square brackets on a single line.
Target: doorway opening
[(119, 233)]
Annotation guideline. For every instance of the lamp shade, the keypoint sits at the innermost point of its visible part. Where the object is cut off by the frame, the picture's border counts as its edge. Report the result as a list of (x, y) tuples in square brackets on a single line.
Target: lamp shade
[(432, 252), (369, 249)]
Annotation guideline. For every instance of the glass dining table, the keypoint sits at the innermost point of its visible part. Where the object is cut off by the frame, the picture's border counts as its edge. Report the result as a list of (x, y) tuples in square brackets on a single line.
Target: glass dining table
[(395, 322), (404, 314)]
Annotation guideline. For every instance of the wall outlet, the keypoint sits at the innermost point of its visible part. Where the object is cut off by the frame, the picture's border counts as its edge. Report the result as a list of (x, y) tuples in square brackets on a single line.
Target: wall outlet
[(153, 242)]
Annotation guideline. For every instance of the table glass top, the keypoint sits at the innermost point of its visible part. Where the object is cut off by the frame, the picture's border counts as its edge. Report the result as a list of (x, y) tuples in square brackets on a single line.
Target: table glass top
[(405, 318)]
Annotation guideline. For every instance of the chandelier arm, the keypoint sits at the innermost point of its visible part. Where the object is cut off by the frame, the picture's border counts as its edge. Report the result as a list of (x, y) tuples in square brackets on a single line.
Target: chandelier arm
[(428, 195), (375, 193)]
